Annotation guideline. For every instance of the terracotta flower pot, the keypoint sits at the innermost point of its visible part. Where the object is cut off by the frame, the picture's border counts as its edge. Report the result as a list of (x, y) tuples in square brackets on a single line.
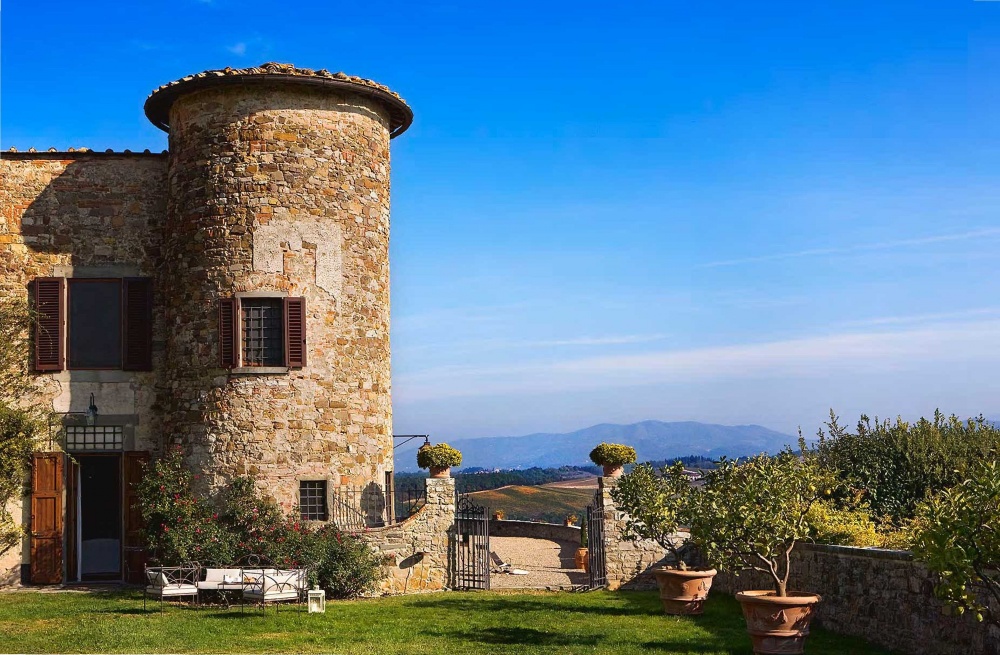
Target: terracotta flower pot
[(440, 471), (613, 470), (778, 625), (683, 592), (581, 558)]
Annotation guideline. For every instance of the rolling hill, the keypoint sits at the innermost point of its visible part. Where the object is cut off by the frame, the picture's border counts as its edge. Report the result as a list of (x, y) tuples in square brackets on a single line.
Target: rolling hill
[(653, 440), (543, 503)]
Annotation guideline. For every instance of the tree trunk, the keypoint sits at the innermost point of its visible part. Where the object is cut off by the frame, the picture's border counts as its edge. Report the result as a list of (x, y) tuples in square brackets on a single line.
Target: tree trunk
[(781, 588)]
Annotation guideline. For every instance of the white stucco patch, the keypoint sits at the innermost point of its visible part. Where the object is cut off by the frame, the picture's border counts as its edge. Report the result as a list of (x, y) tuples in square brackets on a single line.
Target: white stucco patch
[(272, 241)]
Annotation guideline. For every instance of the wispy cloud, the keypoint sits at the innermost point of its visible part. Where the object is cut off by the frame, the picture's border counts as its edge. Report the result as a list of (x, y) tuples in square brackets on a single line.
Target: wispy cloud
[(925, 318), (598, 341), (255, 46), (867, 247), (809, 357)]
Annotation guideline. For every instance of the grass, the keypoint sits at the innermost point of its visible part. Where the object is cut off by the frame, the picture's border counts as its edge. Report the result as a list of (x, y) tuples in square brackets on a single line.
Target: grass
[(476, 623), (537, 503)]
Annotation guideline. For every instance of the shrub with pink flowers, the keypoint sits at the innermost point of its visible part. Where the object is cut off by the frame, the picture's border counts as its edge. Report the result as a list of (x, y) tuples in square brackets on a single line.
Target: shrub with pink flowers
[(222, 529)]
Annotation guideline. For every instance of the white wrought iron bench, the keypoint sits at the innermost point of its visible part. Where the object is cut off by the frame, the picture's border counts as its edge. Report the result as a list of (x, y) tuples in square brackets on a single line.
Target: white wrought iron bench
[(171, 582)]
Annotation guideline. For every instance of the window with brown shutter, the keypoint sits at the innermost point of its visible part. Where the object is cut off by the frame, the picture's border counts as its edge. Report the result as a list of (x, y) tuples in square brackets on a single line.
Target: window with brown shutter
[(49, 318), (93, 324), (262, 332), (137, 324)]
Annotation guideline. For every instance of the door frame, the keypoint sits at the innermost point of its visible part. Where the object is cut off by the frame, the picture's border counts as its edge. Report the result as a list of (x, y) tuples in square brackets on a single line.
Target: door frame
[(78, 537)]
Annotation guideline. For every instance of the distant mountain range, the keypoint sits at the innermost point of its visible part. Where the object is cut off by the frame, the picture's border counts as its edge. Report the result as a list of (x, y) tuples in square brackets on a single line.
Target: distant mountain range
[(652, 440)]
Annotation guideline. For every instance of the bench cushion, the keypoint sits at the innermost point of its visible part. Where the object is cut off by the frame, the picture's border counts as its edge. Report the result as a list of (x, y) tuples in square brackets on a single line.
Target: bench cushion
[(174, 590)]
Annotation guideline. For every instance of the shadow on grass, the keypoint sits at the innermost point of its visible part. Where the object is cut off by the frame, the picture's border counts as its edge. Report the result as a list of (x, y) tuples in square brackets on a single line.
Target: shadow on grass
[(515, 636), (632, 607), (688, 647)]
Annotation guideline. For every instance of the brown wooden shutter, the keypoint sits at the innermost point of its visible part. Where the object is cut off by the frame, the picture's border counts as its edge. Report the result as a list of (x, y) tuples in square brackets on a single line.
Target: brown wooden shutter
[(46, 518), (137, 324), (49, 318), (295, 332), (133, 467), (227, 332)]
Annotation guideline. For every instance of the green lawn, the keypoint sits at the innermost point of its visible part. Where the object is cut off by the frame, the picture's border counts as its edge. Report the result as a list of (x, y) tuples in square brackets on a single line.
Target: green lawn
[(478, 623)]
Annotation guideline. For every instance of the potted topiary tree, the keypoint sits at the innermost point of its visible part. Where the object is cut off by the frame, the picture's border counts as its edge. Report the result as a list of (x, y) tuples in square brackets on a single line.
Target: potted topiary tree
[(657, 507), (582, 557), (749, 515), (613, 457), (439, 459), (956, 536)]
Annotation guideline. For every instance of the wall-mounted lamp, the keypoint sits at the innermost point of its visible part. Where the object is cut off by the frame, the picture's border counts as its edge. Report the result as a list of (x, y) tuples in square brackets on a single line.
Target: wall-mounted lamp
[(411, 437), (92, 411)]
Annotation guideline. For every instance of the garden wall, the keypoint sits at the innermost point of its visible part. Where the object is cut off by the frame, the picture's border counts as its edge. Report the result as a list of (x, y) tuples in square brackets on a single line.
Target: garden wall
[(882, 596), (416, 551), (553, 531)]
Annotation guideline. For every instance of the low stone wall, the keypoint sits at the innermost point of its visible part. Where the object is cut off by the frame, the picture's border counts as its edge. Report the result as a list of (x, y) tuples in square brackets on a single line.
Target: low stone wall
[(882, 596), (416, 550), (554, 531)]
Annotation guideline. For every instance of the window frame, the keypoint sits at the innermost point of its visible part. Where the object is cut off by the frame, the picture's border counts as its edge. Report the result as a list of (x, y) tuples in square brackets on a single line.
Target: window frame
[(325, 496), (243, 337), (70, 282)]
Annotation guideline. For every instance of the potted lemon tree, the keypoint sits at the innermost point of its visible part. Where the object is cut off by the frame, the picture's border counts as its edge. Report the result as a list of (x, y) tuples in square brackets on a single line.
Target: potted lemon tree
[(439, 458), (749, 515), (613, 457), (658, 505)]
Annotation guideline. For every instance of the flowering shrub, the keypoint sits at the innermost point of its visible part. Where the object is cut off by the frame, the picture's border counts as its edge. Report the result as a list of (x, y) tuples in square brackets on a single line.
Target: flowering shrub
[(181, 527)]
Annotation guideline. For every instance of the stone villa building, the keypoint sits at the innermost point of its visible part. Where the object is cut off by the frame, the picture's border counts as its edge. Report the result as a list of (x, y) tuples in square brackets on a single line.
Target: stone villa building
[(229, 295)]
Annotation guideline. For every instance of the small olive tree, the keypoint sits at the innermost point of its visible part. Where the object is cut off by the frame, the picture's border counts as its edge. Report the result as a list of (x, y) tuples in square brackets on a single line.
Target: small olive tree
[(749, 514), (657, 505), (21, 415), (959, 538)]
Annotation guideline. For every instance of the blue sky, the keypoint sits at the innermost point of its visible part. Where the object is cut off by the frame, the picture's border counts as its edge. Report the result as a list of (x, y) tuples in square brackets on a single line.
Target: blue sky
[(726, 212)]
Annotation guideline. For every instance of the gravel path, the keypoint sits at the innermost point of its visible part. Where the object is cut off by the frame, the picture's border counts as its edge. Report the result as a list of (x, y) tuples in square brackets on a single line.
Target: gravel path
[(549, 563)]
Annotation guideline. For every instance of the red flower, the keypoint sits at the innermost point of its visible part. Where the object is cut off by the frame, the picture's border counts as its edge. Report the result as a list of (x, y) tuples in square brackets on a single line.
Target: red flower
[(162, 488)]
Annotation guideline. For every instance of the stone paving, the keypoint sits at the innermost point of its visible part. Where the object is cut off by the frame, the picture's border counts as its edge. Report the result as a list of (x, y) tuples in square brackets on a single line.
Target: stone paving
[(549, 564)]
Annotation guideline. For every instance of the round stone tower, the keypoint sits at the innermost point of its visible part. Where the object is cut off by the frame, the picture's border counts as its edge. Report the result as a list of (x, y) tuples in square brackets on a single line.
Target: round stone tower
[(275, 279)]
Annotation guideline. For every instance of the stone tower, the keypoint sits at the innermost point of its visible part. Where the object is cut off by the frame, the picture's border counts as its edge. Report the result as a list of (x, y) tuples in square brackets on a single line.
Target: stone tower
[(275, 281)]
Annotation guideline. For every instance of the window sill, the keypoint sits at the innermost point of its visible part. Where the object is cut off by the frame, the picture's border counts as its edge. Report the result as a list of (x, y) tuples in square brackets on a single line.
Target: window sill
[(259, 370)]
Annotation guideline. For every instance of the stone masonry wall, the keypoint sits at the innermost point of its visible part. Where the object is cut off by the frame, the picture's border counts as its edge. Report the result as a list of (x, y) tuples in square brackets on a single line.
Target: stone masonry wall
[(416, 550), (882, 596), (83, 214), (282, 190), (532, 530)]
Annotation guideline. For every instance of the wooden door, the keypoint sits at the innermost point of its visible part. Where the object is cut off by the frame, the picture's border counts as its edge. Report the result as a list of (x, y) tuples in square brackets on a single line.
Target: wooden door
[(46, 518), (72, 520), (133, 465)]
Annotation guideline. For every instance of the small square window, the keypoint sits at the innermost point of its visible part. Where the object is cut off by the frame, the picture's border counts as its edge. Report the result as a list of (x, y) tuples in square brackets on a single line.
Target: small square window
[(312, 500)]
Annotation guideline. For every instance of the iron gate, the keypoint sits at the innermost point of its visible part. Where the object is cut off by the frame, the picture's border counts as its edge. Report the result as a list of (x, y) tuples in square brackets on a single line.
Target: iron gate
[(470, 546), (596, 555)]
